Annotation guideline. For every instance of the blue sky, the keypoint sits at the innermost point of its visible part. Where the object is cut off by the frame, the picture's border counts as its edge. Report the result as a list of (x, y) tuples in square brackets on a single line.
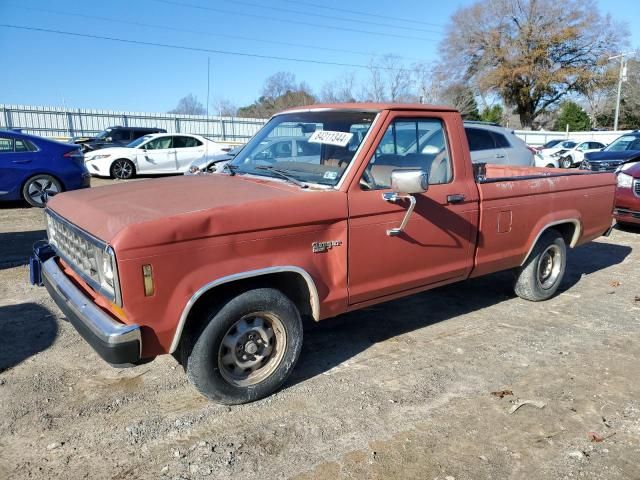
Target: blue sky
[(50, 69)]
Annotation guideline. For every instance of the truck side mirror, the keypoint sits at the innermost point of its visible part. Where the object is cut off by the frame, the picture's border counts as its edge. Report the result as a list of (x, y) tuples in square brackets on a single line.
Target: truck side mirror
[(405, 183)]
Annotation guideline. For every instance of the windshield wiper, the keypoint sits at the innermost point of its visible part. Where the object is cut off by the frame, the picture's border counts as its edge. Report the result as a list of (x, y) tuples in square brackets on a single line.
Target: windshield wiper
[(283, 174)]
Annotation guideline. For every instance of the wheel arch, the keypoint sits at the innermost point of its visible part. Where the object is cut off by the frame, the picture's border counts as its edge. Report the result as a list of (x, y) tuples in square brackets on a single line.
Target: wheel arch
[(569, 228), (294, 282)]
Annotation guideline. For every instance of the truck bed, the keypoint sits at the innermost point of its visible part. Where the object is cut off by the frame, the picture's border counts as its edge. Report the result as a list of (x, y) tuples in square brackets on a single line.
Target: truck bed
[(517, 203)]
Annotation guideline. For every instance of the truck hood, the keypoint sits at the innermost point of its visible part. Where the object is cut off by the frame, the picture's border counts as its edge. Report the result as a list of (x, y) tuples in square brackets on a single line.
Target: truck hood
[(169, 210), (607, 156)]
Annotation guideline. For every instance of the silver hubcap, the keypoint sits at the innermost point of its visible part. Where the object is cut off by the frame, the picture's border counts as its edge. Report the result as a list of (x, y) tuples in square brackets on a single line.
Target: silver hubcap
[(549, 267), (122, 169), (41, 189), (252, 349)]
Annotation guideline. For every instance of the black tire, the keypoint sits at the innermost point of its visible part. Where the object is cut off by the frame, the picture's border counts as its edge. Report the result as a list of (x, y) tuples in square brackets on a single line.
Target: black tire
[(122, 169), (538, 279), (566, 162), (209, 361), (39, 188), (550, 165)]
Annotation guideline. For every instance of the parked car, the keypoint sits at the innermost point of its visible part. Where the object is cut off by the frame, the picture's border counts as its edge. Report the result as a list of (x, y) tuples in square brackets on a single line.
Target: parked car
[(550, 157), (212, 164), (35, 168), (623, 149), (114, 137), (220, 269), (574, 156), (627, 206), (490, 143), (160, 153)]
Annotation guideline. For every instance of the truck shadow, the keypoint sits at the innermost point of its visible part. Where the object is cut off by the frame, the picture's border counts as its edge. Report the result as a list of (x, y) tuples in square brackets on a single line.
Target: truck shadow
[(331, 342), (17, 246), (25, 330)]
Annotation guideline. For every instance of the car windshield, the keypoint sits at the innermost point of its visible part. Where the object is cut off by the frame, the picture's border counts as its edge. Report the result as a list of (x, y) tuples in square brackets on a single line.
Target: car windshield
[(626, 142), (104, 134), (138, 141), (551, 143), (312, 147), (568, 144)]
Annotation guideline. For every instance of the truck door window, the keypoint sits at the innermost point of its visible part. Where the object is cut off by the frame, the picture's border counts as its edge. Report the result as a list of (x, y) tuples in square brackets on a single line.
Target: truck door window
[(418, 143)]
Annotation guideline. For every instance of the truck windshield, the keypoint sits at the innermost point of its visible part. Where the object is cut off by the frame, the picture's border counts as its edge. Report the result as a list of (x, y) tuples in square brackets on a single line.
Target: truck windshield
[(313, 147)]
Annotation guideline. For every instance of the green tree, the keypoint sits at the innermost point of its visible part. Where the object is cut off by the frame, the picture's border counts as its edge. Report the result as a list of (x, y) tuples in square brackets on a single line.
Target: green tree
[(573, 115), (492, 114), (530, 52)]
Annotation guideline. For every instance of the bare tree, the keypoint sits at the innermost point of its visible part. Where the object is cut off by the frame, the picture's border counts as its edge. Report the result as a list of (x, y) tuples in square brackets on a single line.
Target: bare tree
[(279, 84), (530, 52), (189, 105), (339, 90), (224, 107)]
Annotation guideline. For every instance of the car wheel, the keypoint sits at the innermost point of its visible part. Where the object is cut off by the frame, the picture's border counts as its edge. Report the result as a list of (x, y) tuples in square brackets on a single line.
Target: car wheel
[(37, 189), (246, 349), (550, 165), (122, 169), (541, 275), (566, 162)]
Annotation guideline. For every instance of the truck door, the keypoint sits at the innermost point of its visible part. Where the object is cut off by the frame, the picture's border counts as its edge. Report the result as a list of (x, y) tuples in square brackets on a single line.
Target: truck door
[(438, 242)]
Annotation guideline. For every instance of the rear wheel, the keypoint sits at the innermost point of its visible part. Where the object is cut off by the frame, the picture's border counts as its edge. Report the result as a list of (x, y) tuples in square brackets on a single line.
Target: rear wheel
[(39, 188), (550, 165), (246, 350), (122, 169), (541, 275)]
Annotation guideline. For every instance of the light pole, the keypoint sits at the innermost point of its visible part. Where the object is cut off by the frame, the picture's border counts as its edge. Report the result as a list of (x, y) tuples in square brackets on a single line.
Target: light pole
[(621, 78)]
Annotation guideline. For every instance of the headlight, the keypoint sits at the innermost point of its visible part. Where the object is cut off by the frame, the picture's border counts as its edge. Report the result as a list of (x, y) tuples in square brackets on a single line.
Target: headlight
[(98, 157), (624, 180)]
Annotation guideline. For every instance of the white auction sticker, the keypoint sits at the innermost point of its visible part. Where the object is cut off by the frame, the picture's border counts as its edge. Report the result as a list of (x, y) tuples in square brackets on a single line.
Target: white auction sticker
[(340, 139)]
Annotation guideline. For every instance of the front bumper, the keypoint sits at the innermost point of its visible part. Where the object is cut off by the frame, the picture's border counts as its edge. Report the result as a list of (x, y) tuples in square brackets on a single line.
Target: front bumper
[(115, 342), (625, 215)]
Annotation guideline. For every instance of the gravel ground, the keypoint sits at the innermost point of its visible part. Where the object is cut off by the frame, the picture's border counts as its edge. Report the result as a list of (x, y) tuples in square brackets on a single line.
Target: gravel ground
[(401, 390)]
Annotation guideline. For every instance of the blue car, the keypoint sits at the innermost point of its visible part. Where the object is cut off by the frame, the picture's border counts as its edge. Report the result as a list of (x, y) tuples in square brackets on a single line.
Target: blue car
[(35, 168), (623, 149)]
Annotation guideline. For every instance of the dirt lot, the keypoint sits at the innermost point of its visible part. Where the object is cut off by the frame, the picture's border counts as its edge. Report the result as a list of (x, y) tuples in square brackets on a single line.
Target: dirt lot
[(401, 390)]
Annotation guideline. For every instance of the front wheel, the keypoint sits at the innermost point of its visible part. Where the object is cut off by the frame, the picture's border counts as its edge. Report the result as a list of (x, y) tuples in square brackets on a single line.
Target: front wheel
[(540, 276), (566, 162), (122, 169), (247, 349)]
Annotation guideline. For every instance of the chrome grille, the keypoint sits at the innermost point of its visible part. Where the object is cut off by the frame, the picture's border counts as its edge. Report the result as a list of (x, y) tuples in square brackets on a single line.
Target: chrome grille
[(636, 187), (79, 249)]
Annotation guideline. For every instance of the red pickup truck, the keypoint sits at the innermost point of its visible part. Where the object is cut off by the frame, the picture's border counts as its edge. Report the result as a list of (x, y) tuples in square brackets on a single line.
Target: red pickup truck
[(327, 209)]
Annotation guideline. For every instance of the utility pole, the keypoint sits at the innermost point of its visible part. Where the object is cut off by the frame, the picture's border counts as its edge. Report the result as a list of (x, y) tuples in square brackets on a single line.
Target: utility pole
[(208, 75), (622, 77)]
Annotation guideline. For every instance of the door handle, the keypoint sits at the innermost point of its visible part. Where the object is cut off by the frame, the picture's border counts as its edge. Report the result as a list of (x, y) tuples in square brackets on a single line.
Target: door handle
[(499, 155), (455, 198), (393, 197), (21, 161)]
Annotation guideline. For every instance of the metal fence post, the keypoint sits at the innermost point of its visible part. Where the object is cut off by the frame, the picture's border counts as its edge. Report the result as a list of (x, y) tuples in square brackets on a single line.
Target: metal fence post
[(125, 120), (69, 123), (224, 131), (177, 125), (7, 118)]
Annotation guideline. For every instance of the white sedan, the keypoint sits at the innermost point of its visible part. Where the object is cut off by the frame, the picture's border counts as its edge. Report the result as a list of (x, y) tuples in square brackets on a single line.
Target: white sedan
[(159, 153), (566, 154)]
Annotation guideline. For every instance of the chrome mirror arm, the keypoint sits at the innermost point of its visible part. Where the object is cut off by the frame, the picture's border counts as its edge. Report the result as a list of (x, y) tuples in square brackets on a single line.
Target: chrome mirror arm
[(394, 197)]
